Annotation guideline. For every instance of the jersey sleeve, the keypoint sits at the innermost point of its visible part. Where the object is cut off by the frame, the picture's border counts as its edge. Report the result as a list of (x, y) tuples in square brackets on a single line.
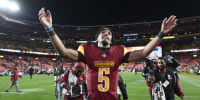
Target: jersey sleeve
[(81, 49), (81, 53), (126, 55), (125, 51), (64, 80)]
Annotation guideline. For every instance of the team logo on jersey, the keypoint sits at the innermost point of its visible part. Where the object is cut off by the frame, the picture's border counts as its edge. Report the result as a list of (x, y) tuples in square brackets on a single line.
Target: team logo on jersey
[(104, 63), (104, 55)]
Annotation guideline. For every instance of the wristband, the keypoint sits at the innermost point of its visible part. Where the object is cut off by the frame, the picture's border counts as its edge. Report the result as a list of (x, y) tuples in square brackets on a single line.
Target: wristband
[(51, 33), (50, 30), (160, 34)]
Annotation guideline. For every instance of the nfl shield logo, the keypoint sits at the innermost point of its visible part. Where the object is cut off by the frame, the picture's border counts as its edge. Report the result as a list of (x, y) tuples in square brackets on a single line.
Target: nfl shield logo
[(104, 55)]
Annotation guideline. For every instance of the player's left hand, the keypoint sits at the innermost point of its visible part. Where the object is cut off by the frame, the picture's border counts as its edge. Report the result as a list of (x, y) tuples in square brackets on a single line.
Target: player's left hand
[(168, 24)]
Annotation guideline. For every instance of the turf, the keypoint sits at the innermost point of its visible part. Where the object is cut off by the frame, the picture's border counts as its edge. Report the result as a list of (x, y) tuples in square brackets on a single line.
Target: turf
[(41, 87)]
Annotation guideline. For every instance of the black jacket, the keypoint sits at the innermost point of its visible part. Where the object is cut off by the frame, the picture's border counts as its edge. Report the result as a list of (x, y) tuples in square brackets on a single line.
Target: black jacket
[(122, 87)]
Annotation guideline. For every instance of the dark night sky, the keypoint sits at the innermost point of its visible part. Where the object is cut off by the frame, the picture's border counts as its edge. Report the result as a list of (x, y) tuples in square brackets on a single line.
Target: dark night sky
[(104, 12)]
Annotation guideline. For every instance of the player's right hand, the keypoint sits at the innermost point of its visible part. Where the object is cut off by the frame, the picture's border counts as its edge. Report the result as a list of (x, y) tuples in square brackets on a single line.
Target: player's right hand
[(169, 24), (150, 78), (67, 87), (45, 19)]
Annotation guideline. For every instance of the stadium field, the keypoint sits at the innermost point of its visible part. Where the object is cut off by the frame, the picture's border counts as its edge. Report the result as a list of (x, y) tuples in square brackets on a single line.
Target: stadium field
[(41, 87)]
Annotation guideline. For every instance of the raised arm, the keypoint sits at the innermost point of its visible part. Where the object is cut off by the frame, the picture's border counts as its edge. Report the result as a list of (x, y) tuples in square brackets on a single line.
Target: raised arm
[(46, 20), (167, 26)]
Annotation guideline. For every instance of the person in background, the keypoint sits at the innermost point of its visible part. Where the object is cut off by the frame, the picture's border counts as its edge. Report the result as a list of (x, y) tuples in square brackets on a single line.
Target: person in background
[(58, 73), (73, 83), (166, 76), (14, 80), (135, 71), (31, 70)]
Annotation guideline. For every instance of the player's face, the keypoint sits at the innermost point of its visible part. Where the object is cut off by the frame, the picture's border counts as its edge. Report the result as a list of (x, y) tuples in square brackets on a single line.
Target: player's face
[(104, 39), (79, 71), (161, 63)]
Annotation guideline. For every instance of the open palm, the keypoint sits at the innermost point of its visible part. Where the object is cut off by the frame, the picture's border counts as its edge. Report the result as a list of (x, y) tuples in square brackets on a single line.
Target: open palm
[(168, 24), (44, 18)]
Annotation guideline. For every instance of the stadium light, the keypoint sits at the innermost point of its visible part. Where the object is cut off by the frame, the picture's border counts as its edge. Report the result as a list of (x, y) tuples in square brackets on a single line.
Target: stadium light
[(3, 3), (194, 55), (11, 5), (54, 59), (166, 37)]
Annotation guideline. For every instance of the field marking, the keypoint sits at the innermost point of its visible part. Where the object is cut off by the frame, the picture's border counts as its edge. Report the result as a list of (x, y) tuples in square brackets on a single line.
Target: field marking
[(139, 94), (149, 95), (24, 91), (140, 80), (36, 89), (14, 92), (189, 81)]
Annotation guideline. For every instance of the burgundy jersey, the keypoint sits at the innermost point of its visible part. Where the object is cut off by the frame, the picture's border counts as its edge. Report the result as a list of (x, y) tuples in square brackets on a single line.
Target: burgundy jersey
[(14, 75), (102, 70), (64, 83)]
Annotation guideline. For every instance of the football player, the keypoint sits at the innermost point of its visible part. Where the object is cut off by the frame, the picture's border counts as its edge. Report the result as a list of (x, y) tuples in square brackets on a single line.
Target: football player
[(103, 59)]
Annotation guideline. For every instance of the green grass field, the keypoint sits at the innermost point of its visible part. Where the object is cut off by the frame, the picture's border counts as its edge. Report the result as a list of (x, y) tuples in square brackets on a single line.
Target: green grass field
[(41, 87)]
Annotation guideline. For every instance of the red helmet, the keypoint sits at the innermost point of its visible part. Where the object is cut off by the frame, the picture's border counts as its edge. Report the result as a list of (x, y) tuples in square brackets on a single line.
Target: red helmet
[(79, 66)]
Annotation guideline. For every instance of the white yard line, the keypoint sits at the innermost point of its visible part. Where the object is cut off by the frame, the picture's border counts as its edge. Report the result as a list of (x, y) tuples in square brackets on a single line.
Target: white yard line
[(189, 81), (14, 92), (149, 95), (24, 91)]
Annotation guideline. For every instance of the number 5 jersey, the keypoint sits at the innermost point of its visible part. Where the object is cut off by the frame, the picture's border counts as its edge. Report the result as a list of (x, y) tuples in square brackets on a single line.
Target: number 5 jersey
[(102, 70)]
